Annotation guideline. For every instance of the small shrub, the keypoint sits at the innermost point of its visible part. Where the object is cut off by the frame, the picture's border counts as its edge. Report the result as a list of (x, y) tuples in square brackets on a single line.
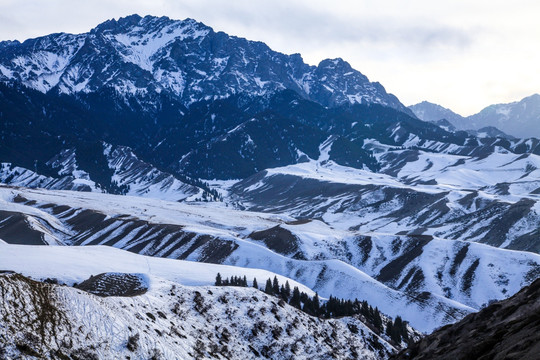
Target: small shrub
[(133, 342)]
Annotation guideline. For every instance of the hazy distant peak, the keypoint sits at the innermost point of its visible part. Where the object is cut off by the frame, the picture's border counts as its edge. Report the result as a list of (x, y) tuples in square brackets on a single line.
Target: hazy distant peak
[(516, 119), (519, 118), (428, 111)]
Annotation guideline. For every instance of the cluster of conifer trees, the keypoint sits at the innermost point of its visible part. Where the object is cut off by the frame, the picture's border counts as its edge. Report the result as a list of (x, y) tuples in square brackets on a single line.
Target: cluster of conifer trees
[(208, 194), (334, 307)]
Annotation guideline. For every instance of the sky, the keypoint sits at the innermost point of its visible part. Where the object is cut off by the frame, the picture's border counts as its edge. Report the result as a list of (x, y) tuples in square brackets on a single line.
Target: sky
[(463, 55)]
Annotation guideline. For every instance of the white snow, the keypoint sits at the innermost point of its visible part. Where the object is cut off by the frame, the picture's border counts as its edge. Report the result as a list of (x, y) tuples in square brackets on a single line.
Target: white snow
[(73, 264)]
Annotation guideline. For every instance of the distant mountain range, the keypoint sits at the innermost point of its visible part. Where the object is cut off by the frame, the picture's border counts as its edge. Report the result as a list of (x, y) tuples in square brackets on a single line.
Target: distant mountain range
[(520, 119), (432, 112)]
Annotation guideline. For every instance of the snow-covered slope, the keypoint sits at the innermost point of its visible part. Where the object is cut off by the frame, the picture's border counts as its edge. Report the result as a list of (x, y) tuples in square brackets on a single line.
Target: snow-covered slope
[(490, 132), (491, 199), (123, 172), (170, 321), (203, 233), (139, 178), (19, 176), (74, 264)]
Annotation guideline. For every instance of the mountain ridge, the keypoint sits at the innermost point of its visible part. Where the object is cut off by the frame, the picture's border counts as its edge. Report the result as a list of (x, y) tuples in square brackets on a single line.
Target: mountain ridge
[(158, 54), (520, 118), (426, 280), (167, 321)]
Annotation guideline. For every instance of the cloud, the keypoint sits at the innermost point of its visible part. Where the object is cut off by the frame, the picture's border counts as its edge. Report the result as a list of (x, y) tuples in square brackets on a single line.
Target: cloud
[(281, 22), (293, 21)]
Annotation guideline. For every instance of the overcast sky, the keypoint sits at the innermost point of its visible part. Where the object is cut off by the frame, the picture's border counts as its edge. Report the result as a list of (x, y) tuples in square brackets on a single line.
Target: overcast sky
[(461, 54)]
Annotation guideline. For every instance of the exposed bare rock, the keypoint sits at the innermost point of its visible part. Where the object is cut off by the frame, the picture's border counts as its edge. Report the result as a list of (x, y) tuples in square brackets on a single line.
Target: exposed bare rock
[(115, 284), (509, 329)]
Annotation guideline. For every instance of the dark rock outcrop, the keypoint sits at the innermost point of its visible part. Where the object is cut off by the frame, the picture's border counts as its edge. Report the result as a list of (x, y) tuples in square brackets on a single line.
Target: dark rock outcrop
[(115, 284), (509, 329)]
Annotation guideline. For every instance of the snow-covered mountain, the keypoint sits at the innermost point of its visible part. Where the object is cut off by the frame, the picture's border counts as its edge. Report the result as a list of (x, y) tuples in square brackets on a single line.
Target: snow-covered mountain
[(363, 170), (186, 59), (491, 198), (121, 172), (431, 112), (520, 119), (490, 132)]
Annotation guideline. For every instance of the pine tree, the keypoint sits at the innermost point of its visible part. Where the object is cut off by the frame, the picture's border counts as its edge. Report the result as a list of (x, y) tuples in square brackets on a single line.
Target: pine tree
[(377, 321), (295, 299), (365, 308), (255, 285), (348, 308), (330, 307), (401, 329), (276, 285), (244, 281), (308, 305), (287, 290), (316, 304), (389, 329), (356, 307), (398, 322), (218, 279), (268, 288)]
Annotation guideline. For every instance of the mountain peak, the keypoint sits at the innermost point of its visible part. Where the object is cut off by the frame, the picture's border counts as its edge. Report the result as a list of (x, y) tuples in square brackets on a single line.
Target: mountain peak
[(519, 118), (337, 63), (147, 23), (130, 19), (534, 98), (117, 25), (431, 112)]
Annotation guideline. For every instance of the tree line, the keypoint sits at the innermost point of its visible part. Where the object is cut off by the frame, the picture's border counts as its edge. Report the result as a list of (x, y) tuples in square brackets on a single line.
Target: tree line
[(333, 308)]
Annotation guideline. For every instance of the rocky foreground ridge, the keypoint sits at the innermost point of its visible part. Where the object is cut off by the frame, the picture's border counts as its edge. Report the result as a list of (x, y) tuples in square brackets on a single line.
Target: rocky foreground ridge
[(508, 329)]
